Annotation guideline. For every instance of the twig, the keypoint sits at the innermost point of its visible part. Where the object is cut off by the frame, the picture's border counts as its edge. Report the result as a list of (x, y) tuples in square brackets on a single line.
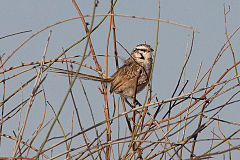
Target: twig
[(15, 34)]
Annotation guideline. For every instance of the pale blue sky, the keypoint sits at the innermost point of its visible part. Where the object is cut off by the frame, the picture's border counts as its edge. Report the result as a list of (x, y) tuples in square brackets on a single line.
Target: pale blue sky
[(206, 16)]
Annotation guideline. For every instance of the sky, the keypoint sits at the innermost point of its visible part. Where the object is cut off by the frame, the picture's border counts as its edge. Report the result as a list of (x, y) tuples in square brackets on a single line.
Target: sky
[(205, 16)]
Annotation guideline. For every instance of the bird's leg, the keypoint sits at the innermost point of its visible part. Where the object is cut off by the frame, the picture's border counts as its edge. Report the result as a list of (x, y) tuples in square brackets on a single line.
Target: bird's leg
[(138, 103), (126, 115)]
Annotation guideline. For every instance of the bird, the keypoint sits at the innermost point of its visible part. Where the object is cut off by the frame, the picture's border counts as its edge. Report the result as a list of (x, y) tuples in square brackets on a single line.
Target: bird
[(131, 78)]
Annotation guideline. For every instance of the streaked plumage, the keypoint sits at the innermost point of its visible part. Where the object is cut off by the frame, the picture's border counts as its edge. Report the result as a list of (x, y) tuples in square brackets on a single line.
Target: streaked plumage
[(123, 81)]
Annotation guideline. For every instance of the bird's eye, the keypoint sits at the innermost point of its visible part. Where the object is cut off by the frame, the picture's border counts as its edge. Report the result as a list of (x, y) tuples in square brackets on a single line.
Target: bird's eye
[(143, 50)]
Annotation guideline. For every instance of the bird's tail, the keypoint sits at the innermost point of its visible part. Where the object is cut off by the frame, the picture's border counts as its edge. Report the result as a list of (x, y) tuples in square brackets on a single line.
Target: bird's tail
[(80, 75)]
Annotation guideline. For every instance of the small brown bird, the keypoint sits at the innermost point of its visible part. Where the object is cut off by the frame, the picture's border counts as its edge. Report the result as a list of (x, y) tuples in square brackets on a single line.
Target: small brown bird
[(137, 67)]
